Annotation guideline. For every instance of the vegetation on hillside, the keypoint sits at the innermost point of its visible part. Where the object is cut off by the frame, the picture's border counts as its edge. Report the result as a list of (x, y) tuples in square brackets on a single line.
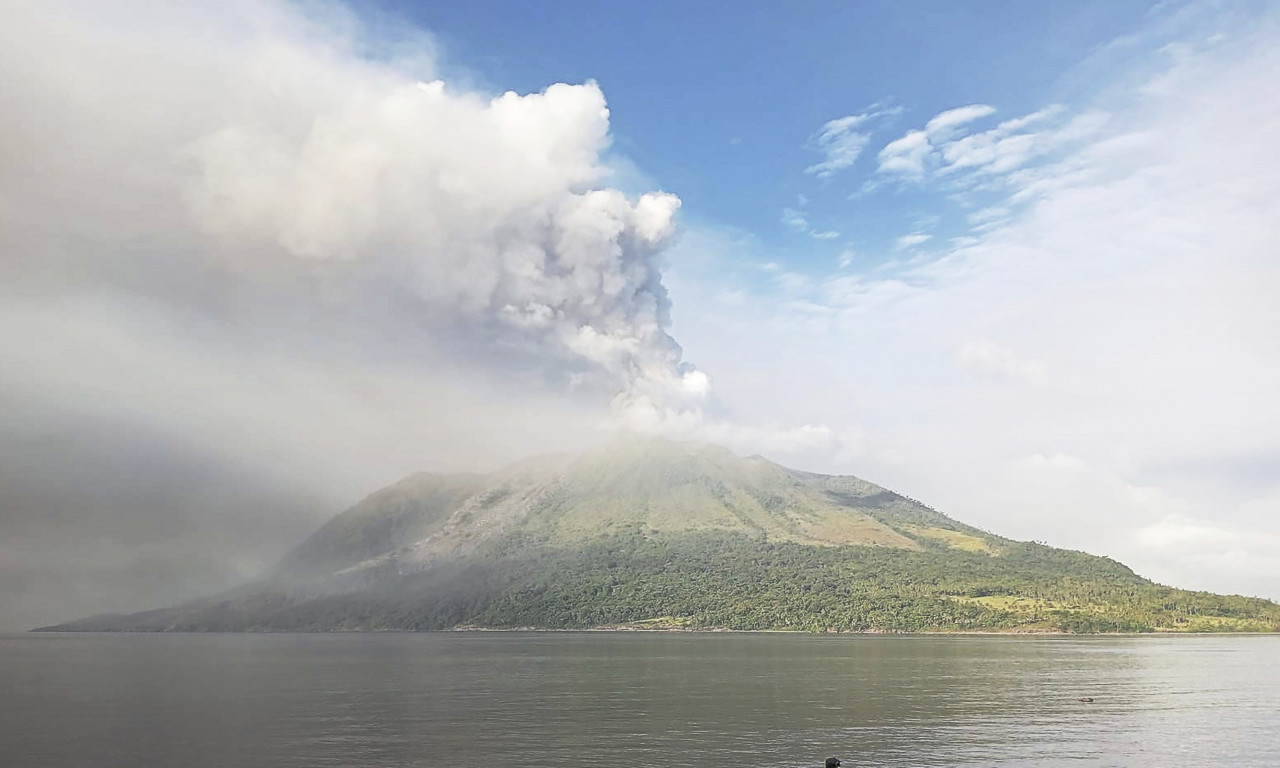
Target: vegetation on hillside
[(732, 581), (653, 534), (736, 583)]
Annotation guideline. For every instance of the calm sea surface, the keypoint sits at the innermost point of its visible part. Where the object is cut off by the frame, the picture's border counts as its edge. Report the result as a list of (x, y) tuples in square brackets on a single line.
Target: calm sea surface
[(592, 699)]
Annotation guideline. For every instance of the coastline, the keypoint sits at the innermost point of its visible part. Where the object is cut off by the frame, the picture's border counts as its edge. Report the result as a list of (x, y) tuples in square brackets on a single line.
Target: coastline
[(654, 630), (879, 632)]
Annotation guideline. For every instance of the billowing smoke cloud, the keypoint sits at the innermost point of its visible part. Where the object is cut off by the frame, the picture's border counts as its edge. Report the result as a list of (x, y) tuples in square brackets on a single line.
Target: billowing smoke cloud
[(488, 209), (293, 156), (283, 245)]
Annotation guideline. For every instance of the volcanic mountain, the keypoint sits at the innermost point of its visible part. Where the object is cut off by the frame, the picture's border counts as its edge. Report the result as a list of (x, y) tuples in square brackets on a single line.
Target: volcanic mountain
[(659, 534)]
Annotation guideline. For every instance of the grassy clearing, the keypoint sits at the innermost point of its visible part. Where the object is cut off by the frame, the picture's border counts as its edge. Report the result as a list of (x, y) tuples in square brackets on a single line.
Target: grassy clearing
[(860, 530), (1217, 624), (1019, 604), (953, 539), (659, 622)]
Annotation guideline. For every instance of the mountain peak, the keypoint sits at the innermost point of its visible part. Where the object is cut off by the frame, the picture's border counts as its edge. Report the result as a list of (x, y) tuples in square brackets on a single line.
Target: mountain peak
[(654, 530)]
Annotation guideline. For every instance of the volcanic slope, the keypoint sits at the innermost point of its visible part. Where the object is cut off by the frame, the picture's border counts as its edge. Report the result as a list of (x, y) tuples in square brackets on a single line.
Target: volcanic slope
[(659, 534)]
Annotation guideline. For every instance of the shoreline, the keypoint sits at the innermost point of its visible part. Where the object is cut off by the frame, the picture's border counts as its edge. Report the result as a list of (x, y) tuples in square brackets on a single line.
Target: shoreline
[(876, 632), (648, 630)]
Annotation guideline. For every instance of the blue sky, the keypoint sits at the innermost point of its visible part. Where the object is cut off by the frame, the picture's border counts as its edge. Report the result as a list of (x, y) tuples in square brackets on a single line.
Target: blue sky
[(723, 102)]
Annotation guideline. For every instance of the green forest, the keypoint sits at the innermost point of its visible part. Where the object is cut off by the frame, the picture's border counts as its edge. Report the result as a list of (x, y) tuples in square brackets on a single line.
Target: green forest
[(733, 582), (664, 535), (736, 582)]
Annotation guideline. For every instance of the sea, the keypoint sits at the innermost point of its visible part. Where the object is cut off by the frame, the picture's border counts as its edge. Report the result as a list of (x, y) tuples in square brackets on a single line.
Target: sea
[(543, 699)]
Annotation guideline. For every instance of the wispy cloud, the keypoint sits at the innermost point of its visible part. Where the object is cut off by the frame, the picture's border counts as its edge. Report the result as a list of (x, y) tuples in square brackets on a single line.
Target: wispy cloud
[(1132, 276), (924, 221), (945, 122), (797, 221), (1003, 149), (906, 156), (943, 149), (841, 141), (911, 240), (794, 219), (987, 215)]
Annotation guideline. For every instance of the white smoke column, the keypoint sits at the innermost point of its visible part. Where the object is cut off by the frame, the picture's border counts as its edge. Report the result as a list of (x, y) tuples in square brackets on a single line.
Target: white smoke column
[(258, 249), (490, 208), (249, 161), (273, 143)]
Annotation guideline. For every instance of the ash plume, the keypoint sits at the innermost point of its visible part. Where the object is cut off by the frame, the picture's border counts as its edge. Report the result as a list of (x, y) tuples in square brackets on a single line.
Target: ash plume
[(281, 240)]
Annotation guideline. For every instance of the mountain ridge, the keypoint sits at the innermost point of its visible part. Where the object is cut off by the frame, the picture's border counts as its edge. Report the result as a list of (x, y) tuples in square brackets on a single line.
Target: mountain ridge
[(659, 533)]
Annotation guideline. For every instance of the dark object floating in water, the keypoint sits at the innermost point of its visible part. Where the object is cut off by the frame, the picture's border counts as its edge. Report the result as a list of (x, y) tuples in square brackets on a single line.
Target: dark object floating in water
[(832, 762), (1086, 699)]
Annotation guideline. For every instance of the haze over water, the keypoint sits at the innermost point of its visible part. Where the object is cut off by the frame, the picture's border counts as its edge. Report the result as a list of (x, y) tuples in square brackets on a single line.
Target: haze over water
[(571, 699)]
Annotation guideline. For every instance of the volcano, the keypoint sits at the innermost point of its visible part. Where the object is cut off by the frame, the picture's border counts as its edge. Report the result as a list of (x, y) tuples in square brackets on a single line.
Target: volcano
[(656, 534)]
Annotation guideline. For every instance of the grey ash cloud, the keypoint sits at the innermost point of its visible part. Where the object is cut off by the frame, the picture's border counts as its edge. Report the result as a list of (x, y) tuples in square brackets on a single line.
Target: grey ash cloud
[(255, 263)]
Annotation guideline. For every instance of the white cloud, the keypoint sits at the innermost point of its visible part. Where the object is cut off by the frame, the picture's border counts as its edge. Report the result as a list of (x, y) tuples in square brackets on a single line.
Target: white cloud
[(911, 240), (797, 445), (1185, 536), (1018, 123), (986, 358), (941, 150), (795, 220), (989, 214), (1000, 150), (944, 122), (925, 220), (792, 282), (906, 156), (840, 143)]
